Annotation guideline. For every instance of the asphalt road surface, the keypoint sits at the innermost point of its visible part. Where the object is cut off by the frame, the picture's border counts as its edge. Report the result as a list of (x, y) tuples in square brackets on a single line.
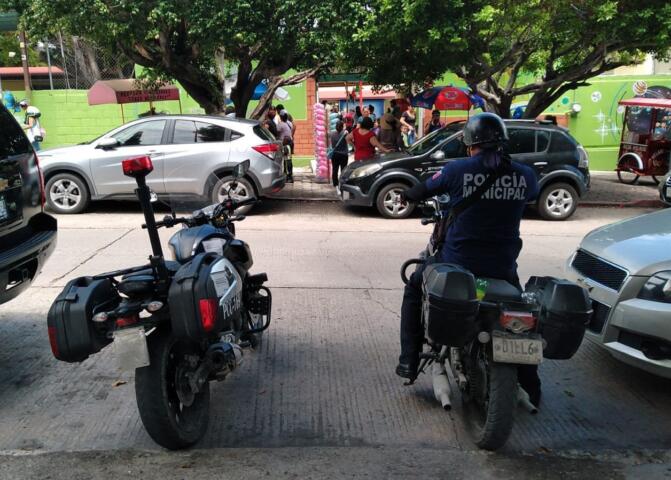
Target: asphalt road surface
[(318, 398)]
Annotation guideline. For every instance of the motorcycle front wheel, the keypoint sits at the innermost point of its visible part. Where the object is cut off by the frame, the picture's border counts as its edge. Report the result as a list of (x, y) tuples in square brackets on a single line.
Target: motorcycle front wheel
[(491, 400), (174, 416)]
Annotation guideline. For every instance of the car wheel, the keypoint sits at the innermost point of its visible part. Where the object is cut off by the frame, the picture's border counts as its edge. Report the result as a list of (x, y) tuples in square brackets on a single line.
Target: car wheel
[(242, 191), (67, 193), (557, 201), (389, 205)]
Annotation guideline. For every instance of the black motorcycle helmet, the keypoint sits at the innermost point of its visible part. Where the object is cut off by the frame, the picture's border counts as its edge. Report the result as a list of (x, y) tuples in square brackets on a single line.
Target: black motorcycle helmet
[(486, 130)]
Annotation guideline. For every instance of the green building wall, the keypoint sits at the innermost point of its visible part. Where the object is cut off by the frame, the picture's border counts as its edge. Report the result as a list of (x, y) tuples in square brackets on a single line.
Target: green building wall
[(68, 119)]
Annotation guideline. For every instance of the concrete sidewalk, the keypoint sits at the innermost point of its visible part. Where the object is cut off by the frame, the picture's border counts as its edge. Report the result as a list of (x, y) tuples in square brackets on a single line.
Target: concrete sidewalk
[(606, 191)]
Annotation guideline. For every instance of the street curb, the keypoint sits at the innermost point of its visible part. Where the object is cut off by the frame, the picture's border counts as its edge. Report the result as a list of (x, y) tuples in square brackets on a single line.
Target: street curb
[(305, 199), (632, 204)]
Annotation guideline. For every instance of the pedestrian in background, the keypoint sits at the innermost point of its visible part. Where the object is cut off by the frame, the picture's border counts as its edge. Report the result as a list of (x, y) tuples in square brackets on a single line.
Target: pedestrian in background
[(371, 112), (390, 130), (408, 119), (339, 152), (285, 136), (434, 124), (364, 141), (269, 121), (31, 124), (334, 118), (357, 116)]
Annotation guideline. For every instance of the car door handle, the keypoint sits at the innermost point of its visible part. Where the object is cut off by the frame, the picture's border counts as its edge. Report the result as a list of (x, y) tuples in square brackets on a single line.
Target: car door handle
[(540, 164), (154, 153)]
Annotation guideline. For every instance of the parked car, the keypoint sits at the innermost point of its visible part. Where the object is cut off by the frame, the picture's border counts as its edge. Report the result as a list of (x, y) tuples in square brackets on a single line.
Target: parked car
[(626, 268), (665, 189), (27, 234), (196, 146), (559, 161)]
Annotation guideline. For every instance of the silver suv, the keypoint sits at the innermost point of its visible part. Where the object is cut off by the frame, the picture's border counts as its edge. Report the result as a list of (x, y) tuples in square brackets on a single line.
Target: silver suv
[(186, 150)]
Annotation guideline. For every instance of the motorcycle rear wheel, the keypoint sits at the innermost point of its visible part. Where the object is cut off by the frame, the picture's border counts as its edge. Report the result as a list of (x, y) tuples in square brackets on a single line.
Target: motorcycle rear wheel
[(492, 417), (173, 415)]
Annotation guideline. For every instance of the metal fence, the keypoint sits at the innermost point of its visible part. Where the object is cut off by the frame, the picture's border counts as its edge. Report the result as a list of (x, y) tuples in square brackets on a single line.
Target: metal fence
[(74, 63)]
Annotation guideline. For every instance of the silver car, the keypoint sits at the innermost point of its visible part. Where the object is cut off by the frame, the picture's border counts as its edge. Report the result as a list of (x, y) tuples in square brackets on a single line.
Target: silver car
[(626, 267), (186, 151)]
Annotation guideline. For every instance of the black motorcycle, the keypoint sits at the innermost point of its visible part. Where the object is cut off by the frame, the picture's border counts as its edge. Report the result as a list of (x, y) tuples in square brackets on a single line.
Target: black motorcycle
[(481, 330), (180, 323)]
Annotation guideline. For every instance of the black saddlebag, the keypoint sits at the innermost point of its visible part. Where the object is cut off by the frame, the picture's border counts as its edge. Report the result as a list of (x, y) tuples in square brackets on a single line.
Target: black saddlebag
[(205, 297), (565, 311), (450, 304), (72, 333)]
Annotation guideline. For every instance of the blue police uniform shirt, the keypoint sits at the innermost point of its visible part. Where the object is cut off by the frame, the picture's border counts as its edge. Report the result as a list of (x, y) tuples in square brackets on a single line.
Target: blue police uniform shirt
[(485, 238)]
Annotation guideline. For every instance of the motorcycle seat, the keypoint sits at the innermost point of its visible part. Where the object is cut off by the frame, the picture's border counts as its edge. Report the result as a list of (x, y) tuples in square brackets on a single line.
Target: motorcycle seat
[(136, 285), (171, 265), (501, 291)]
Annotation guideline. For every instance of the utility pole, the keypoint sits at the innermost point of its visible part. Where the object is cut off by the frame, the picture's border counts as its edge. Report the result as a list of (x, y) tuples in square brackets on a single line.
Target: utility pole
[(24, 63)]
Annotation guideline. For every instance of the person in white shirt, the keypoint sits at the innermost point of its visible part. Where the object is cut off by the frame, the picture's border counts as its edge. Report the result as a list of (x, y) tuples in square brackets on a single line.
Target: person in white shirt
[(31, 124)]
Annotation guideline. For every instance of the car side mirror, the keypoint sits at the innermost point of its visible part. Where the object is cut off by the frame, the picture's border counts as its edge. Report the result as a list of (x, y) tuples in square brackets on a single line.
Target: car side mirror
[(241, 169), (108, 143), (438, 156)]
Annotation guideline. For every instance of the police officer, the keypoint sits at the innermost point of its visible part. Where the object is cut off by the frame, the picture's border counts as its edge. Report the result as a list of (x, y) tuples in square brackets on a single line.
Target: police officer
[(484, 238)]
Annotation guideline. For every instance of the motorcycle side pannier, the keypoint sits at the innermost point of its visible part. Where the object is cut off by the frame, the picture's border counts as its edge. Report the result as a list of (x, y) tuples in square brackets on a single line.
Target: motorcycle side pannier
[(565, 311), (450, 304), (205, 297), (72, 333)]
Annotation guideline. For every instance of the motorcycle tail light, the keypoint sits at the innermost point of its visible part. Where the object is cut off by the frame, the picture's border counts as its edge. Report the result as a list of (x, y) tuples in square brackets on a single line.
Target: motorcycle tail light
[(518, 322), (208, 313), (127, 321), (53, 342)]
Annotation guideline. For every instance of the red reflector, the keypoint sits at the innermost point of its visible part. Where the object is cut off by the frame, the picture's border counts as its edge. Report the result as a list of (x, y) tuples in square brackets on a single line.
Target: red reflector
[(53, 342), (208, 313), (137, 166), (126, 321), (518, 321), (268, 149)]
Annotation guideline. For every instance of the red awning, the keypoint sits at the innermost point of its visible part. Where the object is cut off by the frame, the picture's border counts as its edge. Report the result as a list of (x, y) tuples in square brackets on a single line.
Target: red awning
[(33, 71), (126, 91), (647, 102)]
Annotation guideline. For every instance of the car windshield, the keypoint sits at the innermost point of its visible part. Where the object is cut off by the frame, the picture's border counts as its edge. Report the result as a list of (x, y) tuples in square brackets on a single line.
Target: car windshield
[(428, 142)]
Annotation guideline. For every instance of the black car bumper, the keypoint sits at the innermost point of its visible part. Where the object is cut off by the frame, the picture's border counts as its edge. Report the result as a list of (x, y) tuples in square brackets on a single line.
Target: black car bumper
[(352, 195), (20, 265)]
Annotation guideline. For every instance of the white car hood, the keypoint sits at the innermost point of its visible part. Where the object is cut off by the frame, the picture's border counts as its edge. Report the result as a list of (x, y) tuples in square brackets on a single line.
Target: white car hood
[(641, 244)]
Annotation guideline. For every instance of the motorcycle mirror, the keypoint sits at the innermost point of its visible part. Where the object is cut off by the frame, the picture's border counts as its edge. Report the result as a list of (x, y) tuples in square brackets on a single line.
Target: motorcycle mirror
[(438, 156), (137, 166), (241, 169)]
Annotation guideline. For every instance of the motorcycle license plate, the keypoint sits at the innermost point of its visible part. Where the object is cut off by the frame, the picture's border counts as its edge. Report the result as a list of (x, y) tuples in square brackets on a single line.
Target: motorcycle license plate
[(508, 349), (130, 347)]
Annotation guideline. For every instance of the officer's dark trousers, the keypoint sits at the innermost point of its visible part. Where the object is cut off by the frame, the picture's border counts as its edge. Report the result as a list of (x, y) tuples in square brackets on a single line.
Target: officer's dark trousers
[(412, 334)]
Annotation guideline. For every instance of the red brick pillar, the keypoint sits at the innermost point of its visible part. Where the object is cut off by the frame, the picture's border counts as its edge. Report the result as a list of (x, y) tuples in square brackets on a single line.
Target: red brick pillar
[(304, 142)]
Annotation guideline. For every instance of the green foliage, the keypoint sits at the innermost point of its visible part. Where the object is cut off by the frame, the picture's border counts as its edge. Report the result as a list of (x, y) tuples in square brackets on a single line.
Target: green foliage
[(562, 43), (9, 42), (181, 38)]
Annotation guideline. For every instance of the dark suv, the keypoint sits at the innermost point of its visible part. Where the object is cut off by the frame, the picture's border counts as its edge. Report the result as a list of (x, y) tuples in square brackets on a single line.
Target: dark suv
[(559, 161), (27, 234)]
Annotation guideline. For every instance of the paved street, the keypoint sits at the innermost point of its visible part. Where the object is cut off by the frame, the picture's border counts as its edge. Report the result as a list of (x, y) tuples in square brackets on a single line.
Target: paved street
[(318, 399)]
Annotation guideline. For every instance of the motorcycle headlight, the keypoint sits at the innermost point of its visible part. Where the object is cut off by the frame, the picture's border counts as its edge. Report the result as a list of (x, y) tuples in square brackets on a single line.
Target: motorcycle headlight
[(657, 288), (366, 170)]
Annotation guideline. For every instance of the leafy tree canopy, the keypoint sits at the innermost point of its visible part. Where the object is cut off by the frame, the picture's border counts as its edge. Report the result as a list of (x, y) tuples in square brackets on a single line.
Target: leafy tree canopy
[(189, 41), (557, 44)]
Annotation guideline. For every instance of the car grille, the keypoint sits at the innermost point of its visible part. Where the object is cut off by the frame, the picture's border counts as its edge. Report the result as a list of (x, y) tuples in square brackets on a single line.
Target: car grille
[(599, 317), (600, 271), (651, 347)]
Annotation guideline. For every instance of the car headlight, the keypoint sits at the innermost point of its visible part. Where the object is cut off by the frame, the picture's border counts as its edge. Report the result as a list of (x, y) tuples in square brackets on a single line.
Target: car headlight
[(366, 170), (657, 288)]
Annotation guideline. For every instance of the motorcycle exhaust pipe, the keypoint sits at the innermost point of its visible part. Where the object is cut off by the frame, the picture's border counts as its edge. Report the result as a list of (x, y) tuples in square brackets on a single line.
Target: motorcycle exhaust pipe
[(524, 401), (224, 357), (441, 385)]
